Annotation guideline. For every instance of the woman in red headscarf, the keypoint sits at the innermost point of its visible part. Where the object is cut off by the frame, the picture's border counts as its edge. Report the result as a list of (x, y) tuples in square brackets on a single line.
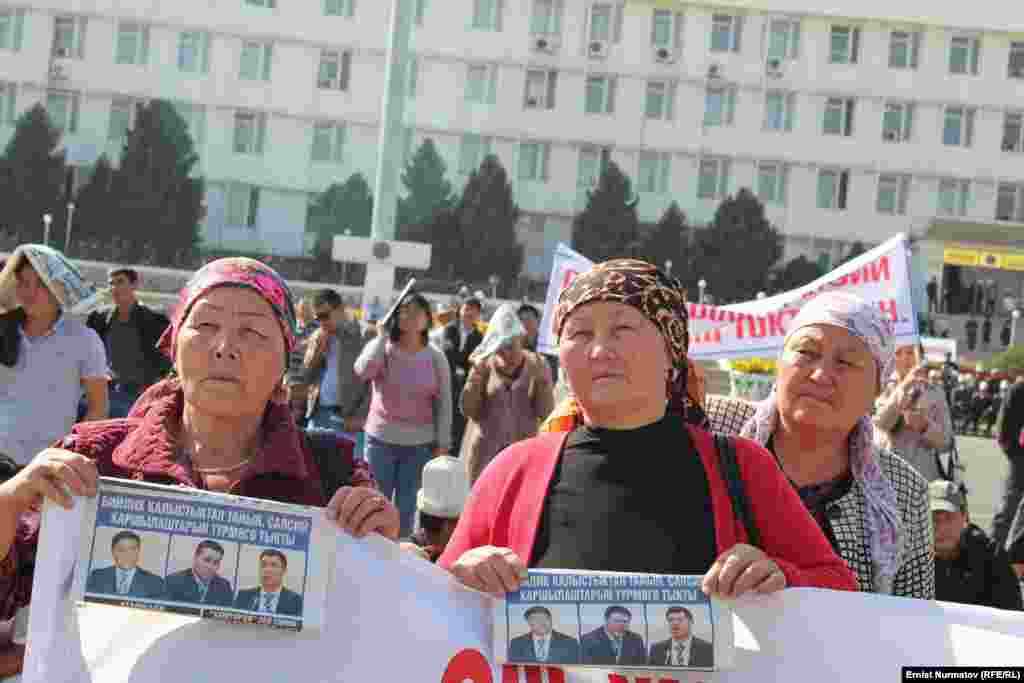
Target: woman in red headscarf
[(219, 424), (632, 482)]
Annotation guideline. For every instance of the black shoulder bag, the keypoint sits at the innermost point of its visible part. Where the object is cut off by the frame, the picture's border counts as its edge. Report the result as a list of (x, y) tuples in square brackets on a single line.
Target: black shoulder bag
[(730, 468)]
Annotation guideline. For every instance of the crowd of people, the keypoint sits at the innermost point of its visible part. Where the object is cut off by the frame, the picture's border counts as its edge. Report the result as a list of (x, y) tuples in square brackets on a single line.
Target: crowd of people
[(450, 436)]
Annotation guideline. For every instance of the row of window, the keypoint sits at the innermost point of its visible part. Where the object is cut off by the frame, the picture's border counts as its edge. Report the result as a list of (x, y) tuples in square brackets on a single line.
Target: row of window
[(781, 38), (781, 35), (653, 168), (833, 186), (481, 86)]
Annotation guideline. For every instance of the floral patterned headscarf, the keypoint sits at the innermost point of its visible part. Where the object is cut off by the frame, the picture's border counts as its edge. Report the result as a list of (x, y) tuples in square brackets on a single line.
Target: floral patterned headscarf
[(866, 322), (234, 272), (660, 298)]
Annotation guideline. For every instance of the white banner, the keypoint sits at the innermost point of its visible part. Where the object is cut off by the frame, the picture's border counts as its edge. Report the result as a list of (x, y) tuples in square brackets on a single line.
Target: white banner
[(757, 328), (566, 265), (936, 348), (394, 618)]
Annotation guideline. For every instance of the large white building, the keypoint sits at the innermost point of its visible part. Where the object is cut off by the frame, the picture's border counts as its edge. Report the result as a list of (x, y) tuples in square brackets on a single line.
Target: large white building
[(849, 127)]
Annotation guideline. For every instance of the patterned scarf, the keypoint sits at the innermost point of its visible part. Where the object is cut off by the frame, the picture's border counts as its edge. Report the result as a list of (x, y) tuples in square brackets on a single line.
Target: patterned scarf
[(660, 298), (75, 294), (882, 521), (235, 272)]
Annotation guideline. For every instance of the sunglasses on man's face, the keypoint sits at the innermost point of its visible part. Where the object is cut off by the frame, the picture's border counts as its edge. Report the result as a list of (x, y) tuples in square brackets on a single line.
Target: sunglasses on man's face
[(324, 316)]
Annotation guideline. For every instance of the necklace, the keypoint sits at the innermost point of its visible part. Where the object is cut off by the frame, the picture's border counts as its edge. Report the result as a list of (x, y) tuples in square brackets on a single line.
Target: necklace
[(220, 470)]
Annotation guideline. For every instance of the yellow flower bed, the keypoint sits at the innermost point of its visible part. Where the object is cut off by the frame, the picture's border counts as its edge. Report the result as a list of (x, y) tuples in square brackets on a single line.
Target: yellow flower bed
[(753, 366)]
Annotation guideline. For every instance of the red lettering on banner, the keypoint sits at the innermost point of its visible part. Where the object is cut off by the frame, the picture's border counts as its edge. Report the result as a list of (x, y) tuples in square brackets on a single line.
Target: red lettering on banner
[(616, 678), (469, 665), (510, 674), (879, 270), (775, 326), (569, 275), (889, 306)]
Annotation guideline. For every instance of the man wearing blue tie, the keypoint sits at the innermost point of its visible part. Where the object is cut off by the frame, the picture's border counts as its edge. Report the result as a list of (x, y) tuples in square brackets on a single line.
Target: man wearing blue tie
[(271, 597), (125, 577)]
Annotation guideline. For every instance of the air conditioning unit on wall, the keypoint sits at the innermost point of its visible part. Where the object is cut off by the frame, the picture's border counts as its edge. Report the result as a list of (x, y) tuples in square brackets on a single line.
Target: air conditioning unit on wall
[(664, 55)]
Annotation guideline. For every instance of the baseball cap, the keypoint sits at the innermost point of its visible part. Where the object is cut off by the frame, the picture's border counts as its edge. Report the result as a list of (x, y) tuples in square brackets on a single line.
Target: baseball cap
[(945, 495), (445, 488)]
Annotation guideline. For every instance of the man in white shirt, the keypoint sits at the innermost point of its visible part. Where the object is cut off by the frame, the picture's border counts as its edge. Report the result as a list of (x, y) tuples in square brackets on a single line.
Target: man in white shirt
[(271, 596), (543, 644), (48, 357), (682, 648)]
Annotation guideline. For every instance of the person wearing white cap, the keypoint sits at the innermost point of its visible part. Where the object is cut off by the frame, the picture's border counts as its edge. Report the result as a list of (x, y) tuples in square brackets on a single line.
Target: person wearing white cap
[(439, 504)]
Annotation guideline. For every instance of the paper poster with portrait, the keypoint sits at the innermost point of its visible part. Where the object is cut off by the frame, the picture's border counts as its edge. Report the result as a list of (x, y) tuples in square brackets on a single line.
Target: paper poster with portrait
[(648, 622), (204, 554)]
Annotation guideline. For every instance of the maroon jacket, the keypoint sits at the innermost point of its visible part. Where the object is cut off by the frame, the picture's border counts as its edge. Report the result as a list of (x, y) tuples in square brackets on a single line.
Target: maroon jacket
[(140, 447)]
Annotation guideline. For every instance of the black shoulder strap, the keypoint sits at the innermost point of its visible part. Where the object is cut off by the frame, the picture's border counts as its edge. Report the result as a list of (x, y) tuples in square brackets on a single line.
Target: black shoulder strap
[(730, 468), (335, 470)]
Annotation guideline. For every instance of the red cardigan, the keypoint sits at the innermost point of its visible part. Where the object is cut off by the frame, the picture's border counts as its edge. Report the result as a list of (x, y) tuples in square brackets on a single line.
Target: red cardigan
[(505, 506)]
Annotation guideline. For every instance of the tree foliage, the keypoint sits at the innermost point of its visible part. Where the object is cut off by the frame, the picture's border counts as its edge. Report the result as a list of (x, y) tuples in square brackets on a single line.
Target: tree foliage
[(668, 241), (487, 216), (156, 201), (94, 204), (428, 192), (340, 207), (608, 227), (737, 251), (796, 273), (32, 174)]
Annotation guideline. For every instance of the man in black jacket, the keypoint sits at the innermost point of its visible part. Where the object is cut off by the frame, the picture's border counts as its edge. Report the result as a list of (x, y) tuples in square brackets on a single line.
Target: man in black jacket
[(614, 643), (460, 339), (969, 568), (543, 644), (129, 331), (201, 584)]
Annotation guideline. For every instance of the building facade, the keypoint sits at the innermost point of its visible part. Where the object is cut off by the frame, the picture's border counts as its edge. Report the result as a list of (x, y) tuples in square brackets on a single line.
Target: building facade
[(848, 128)]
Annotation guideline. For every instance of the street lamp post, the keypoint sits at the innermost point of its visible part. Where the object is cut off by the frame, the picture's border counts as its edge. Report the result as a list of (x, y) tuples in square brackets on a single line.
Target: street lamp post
[(702, 285), (668, 267), (47, 219), (67, 234), (494, 280), (344, 264), (1013, 328)]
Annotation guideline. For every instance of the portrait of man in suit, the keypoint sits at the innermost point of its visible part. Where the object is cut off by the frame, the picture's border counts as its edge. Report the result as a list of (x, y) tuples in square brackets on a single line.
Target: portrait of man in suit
[(271, 597), (543, 644), (460, 339), (614, 644), (682, 648), (201, 584), (125, 577)]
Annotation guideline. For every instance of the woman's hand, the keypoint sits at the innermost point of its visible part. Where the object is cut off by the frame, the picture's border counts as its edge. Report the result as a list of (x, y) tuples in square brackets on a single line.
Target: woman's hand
[(490, 570), (740, 569), (916, 422), (50, 476), (362, 510)]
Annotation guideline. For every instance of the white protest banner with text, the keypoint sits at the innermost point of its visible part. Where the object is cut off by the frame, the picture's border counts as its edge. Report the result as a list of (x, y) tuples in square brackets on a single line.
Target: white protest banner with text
[(757, 328), (566, 265), (394, 618)]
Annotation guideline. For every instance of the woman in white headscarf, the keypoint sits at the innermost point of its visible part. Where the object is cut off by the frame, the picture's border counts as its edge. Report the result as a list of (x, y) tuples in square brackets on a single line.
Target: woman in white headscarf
[(871, 504), (507, 394)]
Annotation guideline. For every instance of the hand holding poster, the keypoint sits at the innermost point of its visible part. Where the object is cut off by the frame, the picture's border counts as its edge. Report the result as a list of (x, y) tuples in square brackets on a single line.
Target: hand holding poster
[(392, 617), (757, 328)]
